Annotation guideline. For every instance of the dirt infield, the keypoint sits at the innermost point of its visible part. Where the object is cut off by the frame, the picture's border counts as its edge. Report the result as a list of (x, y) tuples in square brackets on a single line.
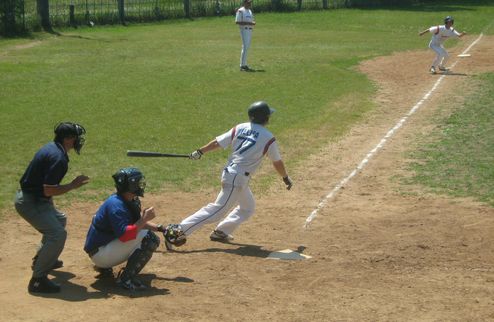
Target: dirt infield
[(381, 251)]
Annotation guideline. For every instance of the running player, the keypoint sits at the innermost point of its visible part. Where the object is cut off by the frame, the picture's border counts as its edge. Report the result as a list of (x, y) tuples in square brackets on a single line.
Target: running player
[(439, 35)]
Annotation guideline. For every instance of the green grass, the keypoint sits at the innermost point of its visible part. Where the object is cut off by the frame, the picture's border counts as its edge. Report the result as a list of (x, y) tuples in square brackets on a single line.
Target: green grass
[(173, 86), (459, 160)]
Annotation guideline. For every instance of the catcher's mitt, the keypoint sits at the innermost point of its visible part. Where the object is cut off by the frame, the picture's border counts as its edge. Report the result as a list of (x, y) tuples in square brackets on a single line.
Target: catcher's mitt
[(175, 235)]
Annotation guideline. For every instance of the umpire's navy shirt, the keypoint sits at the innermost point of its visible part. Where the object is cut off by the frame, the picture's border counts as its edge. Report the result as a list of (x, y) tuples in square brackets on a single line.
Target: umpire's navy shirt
[(49, 166)]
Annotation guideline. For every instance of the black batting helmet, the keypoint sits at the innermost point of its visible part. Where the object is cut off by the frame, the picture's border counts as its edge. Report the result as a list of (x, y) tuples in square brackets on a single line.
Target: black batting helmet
[(130, 180), (69, 130), (259, 112), (449, 19)]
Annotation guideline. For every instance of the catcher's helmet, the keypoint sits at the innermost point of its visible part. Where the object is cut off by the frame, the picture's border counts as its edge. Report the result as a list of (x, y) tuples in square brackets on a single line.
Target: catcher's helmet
[(259, 112), (68, 130), (130, 180), (449, 19)]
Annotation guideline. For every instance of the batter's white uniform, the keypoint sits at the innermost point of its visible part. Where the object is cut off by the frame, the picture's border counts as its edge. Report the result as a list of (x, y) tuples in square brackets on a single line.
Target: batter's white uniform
[(439, 35), (249, 143), (244, 15)]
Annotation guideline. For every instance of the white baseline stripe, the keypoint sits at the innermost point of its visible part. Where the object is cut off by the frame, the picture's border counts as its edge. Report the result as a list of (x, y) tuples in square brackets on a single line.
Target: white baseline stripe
[(383, 141)]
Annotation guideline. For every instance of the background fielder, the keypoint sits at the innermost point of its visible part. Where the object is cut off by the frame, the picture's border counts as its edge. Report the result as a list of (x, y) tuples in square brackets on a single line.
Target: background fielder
[(250, 142), (439, 35), (245, 20)]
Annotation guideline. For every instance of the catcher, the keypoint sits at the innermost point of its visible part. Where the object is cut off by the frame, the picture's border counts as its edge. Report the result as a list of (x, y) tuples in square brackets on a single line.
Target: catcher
[(120, 231)]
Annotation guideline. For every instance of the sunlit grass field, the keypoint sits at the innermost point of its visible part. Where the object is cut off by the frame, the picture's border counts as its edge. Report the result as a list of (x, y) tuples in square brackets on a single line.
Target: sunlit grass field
[(458, 158), (172, 87)]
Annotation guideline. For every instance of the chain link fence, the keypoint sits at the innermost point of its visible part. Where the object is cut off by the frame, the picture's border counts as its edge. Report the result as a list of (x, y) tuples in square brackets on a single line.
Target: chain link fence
[(17, 16)]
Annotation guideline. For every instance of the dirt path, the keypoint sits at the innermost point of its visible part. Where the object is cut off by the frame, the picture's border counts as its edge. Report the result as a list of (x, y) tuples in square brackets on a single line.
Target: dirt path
[(378, 254)]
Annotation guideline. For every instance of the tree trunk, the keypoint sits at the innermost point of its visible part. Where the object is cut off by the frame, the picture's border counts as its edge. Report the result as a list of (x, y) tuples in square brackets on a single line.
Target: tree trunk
[(43, 8)]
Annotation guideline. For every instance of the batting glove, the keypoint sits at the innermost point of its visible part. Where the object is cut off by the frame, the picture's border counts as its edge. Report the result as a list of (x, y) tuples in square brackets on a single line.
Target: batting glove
[(288, 182), (196, 155)]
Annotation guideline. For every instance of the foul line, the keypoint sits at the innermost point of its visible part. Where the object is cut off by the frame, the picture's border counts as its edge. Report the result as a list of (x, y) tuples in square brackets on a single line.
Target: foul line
[(383, 141)]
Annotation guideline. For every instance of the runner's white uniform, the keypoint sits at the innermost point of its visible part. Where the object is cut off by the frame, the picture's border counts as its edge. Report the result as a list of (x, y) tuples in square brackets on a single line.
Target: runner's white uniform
[(249, 143), (244, 15), (439, 35)]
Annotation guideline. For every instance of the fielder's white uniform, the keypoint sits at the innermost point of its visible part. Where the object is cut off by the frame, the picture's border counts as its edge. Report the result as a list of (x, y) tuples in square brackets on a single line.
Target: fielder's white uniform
[(249, 143), (439, 35), (245, 15)]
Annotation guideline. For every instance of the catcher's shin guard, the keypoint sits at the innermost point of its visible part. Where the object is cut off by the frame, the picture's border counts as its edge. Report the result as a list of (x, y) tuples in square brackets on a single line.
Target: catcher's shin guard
[(140, 256)]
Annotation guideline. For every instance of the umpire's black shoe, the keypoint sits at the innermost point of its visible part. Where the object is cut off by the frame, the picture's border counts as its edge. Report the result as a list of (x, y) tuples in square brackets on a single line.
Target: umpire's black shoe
[(42, 285), (58, 263)]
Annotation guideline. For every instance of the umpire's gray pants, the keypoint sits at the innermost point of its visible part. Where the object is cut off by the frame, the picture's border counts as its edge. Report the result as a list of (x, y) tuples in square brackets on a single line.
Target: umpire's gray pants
[(43, 216)]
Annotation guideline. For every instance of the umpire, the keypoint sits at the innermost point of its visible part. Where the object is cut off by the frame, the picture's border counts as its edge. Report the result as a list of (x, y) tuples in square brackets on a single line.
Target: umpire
[(34, 202)]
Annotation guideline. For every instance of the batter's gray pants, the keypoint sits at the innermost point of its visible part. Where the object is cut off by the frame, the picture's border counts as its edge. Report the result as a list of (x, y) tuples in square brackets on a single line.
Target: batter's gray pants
[(42, 215)]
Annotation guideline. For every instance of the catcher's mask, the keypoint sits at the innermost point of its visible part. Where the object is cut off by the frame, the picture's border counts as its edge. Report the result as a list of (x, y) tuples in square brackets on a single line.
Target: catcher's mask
[(259, 112), (71, 130), (130, 180)]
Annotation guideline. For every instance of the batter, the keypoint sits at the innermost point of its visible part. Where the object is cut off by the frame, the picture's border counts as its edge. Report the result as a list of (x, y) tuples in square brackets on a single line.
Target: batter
[(250, 142)]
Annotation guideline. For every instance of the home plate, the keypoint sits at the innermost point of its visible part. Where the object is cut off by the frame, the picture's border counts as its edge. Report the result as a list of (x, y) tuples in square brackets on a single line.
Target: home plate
[(287, 254), (464, 55)]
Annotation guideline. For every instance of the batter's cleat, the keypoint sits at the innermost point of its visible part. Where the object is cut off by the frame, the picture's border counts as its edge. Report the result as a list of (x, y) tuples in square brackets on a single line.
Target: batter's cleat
[(56, 265), (432, 70), (42, 285), (219, 236), (443, 69)]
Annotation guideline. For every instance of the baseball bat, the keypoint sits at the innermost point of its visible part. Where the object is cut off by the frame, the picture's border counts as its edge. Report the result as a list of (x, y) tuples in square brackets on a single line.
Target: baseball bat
[(146, 154)]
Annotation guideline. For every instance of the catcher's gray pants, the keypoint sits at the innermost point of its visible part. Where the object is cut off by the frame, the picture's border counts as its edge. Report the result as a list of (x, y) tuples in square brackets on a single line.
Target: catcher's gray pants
[(42, 215), (235, 192), (116, 252)]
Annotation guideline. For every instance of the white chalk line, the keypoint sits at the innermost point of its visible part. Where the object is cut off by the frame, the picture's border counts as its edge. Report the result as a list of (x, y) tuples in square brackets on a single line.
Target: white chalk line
[(383, 141)]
